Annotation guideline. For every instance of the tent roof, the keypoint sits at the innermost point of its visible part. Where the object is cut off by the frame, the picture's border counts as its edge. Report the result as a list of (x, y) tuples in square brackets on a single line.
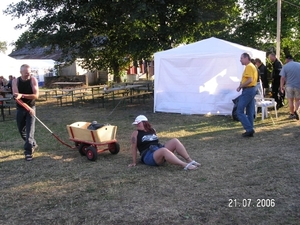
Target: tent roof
[(208, 46)]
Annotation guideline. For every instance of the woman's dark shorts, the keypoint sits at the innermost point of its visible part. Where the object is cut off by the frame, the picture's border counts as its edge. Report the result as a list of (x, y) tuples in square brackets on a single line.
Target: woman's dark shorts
[(148, 158)]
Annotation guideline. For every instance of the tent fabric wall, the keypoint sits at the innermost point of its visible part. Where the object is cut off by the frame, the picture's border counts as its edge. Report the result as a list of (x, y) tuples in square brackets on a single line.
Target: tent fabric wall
[(199, 78)]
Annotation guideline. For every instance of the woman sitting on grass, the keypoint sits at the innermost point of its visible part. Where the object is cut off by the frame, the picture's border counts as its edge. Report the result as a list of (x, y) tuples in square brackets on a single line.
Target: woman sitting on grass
[(152, 153)]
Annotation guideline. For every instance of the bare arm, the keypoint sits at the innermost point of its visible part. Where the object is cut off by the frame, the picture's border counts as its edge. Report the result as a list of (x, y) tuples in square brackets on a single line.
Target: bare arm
[(245, 84), (35, 90), (133, 148), (15, 89), (282, 82), (18, 95)]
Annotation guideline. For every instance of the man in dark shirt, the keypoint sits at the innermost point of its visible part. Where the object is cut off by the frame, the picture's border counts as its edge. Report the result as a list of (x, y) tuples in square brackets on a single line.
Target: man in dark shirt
[(277, 66), (25, 88), (263, 74)]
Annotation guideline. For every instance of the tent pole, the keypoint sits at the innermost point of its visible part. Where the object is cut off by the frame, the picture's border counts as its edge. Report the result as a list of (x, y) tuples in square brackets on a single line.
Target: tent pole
[(278, 28)]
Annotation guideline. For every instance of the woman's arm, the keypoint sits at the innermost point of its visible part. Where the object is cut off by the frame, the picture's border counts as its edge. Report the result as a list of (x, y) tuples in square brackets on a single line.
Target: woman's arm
[(133, 148)]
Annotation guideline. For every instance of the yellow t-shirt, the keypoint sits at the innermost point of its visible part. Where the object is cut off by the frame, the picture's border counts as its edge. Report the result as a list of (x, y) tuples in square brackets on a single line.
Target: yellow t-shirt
[(250, 71)]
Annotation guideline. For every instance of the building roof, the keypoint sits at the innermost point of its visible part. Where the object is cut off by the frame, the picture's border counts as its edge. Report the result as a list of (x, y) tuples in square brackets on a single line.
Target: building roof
[(36, 53)]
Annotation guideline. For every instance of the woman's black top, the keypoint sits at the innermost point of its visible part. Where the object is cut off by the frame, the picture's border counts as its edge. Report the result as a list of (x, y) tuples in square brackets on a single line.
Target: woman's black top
[(145, 139)]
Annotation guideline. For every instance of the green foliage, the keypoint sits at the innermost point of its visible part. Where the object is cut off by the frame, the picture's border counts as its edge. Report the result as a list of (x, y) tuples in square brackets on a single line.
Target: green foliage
[(110, 33), (3, 46), (257, 26)]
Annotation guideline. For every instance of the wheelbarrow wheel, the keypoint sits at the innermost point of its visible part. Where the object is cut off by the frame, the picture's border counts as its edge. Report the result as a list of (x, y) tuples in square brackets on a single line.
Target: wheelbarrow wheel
[(114, 148), (91, 153), (82, 148)]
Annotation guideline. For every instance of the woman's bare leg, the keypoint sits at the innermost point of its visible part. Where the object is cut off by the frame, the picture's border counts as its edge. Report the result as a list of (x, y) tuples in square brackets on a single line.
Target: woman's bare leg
[(175, 145), (163, 154)]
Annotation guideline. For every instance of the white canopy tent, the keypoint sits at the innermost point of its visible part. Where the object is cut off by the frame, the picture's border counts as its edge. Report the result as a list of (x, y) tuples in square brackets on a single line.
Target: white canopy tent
[(199, 78)]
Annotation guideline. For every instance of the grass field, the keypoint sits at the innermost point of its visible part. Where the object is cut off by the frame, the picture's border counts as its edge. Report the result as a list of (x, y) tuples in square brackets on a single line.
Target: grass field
[(241, 180)]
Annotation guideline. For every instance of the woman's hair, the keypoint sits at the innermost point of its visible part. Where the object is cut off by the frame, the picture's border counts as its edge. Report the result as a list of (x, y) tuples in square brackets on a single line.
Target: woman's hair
[(148, 127)]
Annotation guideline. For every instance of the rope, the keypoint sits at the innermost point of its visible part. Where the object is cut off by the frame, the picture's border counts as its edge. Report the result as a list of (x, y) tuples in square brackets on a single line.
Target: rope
[(114, 108)]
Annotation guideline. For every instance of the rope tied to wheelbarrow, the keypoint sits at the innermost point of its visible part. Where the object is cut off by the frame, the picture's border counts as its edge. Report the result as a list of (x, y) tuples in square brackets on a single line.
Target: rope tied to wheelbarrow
[(20, 102)]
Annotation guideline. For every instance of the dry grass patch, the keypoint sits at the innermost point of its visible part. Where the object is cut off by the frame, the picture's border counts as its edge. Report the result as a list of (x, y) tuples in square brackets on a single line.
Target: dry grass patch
[(61, 187)]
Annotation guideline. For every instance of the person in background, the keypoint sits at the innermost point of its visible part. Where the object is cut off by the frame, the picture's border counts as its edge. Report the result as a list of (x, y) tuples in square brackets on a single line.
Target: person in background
[(263, 74), (277, 66), (26, 89), (246, 99), (145, 140), (10, 79), (258, 87), (290, 83), (3, 81), (9, 84)]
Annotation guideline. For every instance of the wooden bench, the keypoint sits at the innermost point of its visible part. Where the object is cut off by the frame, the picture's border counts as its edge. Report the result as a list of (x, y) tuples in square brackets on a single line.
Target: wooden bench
[(93, 96), (137, 95), (80, 97), (59, 98), (110, 96), (45, 94), (100, 97), (7, 103)]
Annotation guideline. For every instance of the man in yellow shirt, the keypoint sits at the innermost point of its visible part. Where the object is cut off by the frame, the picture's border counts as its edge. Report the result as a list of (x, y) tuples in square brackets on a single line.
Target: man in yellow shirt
[(246, 99)]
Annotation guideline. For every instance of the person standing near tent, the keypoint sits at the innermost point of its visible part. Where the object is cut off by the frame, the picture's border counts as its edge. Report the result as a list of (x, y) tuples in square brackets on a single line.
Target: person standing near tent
[(277, 66), (290, 83), (26, 89), (263, 74), (246, 99)]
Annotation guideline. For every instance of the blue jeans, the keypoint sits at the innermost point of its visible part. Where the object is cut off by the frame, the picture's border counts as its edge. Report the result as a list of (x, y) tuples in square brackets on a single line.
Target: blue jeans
[(148, 157), (246, 100), (26, 127)]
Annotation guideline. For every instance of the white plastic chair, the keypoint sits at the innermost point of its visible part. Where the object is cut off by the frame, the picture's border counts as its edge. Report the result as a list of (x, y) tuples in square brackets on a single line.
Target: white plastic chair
[(264, 103)]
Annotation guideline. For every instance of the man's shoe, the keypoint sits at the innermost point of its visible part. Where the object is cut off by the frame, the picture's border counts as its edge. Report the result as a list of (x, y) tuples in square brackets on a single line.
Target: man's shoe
[(278, 106), (292, 116), (28, 157), (296, 115), (248, 134)]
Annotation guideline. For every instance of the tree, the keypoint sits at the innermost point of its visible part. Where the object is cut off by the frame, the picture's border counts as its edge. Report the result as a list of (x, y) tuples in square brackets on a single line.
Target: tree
[(3, 46), (110, 33), (257, 26)]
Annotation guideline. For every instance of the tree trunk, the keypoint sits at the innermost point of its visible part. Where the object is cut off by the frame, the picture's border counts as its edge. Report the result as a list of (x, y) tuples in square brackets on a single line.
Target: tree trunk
[(116, 71)]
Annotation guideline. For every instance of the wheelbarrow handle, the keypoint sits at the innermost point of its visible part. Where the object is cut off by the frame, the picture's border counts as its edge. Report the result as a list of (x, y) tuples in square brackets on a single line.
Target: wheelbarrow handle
[(20, 102)]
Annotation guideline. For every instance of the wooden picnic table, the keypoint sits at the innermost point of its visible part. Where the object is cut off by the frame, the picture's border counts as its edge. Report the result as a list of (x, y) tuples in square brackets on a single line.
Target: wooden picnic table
[(70, 92), (2, 106), (4, 91), (68, 84), (129, 88), (48, 92), (97, 91)]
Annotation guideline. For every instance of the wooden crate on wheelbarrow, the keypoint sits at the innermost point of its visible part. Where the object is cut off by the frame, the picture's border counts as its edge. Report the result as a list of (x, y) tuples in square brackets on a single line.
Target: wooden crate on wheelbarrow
[(91, 142)]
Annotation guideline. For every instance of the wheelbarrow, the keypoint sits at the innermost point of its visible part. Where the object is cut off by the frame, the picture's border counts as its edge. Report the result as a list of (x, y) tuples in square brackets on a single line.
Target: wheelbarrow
[(91, 142)]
